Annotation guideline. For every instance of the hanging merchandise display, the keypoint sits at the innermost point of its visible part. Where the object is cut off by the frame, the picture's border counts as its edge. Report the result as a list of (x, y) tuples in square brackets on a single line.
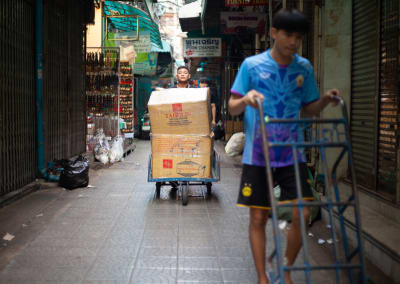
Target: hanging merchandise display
[(102, 92), (126, 98)]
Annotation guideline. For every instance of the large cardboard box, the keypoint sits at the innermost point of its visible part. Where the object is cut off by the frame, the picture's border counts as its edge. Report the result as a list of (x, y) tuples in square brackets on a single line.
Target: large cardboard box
[(180, 111), (181, 156)]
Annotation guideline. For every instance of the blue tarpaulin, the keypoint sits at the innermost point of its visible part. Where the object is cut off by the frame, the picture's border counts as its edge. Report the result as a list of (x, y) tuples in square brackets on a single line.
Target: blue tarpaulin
[(166, 47), (122, 24)]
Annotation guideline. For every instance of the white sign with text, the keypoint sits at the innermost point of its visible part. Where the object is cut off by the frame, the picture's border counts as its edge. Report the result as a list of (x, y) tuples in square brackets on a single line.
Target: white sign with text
[(202, 47)]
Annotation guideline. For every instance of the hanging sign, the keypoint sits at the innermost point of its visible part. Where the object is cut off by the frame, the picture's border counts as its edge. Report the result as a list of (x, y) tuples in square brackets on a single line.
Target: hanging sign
[(142, 45), (243, 22), (145, 64), (238, 3), (202, 47)]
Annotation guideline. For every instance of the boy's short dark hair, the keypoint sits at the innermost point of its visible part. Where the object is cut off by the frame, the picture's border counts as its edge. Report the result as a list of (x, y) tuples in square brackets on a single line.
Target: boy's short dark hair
[(204, 80), (183, 67), (290, 20)]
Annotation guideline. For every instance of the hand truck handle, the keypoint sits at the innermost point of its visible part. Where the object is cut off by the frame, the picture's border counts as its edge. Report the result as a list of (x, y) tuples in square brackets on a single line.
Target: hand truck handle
[(343, 107)]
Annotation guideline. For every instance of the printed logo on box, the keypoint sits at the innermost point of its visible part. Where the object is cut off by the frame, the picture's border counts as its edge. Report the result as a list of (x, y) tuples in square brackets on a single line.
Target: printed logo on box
[(167, 164), (176, 107)]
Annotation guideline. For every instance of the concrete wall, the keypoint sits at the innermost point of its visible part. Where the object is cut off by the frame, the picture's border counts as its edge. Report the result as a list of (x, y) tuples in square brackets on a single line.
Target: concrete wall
[(380, 219), (94, 31), (336, 59)]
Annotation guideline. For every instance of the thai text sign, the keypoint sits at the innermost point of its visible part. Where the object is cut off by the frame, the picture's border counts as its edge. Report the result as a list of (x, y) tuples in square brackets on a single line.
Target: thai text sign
[(202, 47), (242, 22), (142, 45), (237, 3), (145, 64)]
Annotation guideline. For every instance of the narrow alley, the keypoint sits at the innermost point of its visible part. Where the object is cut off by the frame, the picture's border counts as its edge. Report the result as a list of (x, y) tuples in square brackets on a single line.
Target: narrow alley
[(118, 232)]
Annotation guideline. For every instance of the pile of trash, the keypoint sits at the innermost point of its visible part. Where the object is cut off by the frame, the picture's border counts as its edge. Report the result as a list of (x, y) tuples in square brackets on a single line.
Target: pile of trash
[(106, 153)]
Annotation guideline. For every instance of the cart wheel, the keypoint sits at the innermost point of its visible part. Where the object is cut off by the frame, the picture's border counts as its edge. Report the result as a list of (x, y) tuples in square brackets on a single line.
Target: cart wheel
[(185, 193), (209, 185), (158, 189)]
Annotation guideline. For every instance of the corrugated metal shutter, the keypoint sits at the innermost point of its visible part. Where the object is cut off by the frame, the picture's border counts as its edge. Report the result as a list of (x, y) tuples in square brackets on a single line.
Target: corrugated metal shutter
[(76, 86), (55, 80), (64, 92), (308, 41), (388, 98), (364, 85), (17, 95)]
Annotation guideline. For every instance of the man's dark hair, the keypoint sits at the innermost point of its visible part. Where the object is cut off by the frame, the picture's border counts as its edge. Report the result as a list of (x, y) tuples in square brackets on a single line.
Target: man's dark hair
[(183, 67), (290, 20)]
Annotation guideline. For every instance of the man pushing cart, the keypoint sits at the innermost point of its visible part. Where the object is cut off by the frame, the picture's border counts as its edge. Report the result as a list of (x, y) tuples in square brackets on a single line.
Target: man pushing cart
[(272, 88), (181, 140)]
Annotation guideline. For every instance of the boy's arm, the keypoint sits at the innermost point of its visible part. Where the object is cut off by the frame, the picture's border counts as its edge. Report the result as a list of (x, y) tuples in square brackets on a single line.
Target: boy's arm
[(316, 107), (238, 103)]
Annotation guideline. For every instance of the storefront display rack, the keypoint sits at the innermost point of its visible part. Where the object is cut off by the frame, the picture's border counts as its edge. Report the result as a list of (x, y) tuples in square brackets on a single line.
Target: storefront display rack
[(102, 91), (127, 98)]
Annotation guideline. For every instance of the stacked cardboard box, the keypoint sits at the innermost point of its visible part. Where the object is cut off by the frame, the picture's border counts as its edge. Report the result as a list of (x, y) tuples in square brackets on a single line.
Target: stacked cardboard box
[(180, 124)]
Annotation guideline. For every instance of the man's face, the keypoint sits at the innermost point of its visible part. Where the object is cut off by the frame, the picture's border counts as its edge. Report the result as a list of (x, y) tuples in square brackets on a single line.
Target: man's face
[(287, 43), (203, 85), (183, 75)]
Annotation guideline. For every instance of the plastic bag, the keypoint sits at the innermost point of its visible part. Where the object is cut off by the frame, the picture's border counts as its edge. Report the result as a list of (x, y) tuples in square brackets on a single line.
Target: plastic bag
[(285, 213), (75, 173), (117, 149), (235, 145), (218, 131), (102, 147)]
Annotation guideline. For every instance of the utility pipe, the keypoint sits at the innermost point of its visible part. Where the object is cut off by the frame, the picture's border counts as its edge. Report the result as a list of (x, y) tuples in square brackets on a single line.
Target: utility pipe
[(39, 86)]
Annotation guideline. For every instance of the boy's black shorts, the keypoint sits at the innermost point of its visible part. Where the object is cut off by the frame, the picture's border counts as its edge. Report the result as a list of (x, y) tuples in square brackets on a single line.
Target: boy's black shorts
[(254, 190)]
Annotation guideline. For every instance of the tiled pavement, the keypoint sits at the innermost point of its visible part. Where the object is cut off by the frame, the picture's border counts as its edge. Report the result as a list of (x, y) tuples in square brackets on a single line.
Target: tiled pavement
[(118, 232)]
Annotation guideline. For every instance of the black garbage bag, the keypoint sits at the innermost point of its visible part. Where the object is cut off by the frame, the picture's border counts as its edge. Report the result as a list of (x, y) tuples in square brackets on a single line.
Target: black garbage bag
[(75, 173), (219, 132)]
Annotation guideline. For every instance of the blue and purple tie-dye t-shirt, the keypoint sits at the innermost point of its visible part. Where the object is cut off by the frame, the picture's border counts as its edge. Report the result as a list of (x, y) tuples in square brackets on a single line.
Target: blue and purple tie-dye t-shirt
[(286, 90)]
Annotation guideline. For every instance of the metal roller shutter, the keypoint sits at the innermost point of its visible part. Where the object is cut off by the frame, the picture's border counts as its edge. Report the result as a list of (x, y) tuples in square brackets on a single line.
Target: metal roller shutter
[(388, 98), (364, 85), (17, 95)]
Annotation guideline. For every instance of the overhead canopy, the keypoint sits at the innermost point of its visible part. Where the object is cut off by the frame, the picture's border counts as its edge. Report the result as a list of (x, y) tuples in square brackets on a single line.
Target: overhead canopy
[(128, 24), (190, 15), (166, 47)]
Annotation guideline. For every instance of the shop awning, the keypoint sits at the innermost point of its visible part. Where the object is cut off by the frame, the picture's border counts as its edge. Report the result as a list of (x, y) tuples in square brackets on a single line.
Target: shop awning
[(166, 47), (122, 24)]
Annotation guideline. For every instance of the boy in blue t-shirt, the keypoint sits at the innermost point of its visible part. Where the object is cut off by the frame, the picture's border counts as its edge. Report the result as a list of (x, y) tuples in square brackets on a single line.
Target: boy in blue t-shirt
[(284, 82)]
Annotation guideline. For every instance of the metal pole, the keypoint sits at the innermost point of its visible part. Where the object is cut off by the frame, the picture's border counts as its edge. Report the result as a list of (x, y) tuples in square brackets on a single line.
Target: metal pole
[(119, 88), (39, 86)]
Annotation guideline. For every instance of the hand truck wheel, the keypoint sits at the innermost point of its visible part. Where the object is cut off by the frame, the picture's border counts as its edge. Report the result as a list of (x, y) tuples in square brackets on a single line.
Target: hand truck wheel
[(185, 193), (209, 185), (158, 189)]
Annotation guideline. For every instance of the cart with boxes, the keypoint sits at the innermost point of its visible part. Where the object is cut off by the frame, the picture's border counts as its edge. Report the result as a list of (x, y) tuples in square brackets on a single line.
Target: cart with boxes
[(181, 140)]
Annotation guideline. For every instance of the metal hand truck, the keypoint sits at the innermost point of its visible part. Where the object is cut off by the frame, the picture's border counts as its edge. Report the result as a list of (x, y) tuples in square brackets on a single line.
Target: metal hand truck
[(183, 183), (321, 134)]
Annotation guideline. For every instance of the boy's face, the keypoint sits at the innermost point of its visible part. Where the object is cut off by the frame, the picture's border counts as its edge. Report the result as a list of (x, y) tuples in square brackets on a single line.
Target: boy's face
[(183, 75), (287, 43), (203, 85)]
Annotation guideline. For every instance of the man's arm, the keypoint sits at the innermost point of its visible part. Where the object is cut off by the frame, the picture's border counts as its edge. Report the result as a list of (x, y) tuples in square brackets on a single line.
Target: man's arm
[(316, 107), (238, 103), (214, 114)]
